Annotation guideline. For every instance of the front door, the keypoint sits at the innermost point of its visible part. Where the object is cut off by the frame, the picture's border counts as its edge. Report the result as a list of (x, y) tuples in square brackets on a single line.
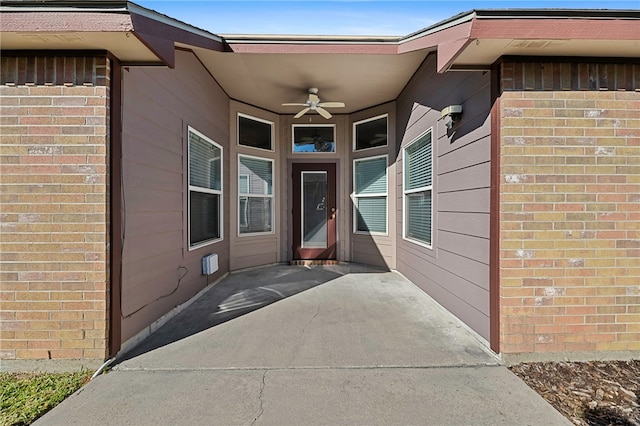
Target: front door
[(314, 211)]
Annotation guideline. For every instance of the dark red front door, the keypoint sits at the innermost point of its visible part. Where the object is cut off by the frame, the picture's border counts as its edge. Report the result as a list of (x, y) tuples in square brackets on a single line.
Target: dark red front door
[(314, 211)]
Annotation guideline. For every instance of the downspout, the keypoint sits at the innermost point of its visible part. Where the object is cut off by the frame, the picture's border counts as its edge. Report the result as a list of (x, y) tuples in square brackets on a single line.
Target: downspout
[(494, 213), (115, 209)]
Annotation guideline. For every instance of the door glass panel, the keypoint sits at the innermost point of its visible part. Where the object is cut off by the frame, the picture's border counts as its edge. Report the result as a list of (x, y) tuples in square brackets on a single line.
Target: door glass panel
[(314, 209)]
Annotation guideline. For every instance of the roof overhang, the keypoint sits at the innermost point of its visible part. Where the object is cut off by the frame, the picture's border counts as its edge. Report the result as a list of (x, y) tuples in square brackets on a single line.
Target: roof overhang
[(267, 70), (133, 34)]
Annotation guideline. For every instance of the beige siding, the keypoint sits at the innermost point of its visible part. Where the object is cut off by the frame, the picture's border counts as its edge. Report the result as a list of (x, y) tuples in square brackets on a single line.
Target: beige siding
[(456, 271), (377, 250), (159, 270), (260, 249)]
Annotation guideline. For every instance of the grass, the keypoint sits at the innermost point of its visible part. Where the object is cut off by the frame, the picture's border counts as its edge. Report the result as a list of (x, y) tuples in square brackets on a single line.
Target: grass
[(24, 397)]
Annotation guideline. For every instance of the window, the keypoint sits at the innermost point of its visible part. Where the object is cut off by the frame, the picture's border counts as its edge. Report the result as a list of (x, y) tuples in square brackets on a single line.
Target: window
[(255, 195), (314, 138), (417, 189), (254, 132), (370, 133), (370, 193), (205, 190)]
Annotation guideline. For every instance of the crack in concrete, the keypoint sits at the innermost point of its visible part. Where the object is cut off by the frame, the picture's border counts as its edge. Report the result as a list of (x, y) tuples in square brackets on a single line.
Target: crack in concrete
[(304, 329), (264, 378)]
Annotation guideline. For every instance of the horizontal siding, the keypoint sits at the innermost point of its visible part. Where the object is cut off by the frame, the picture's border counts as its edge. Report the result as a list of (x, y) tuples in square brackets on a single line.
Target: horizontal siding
[(468, 292), (473, 201), (474, 224), (456, 271), (466, 312), (159, 271), (372, 250), (468, 178), (254, 247), (376, 250), (477, 152), (470, 247)]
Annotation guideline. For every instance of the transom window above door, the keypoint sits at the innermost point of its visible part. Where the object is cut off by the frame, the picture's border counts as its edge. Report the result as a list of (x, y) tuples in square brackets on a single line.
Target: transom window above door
[(314, 138)]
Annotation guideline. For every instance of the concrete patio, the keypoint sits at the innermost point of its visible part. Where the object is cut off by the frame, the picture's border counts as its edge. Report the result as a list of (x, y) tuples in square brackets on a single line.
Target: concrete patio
[(320, 345)]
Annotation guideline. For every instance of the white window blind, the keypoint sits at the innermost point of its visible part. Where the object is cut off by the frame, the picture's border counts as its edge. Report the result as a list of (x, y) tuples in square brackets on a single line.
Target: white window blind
[(370, 190), (418, 190)]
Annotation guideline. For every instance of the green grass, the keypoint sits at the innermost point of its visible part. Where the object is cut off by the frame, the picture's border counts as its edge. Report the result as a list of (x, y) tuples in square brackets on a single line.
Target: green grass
[(24, 397)]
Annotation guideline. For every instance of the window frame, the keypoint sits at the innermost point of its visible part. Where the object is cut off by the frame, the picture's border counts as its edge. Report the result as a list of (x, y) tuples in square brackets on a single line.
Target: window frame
[(354, 136), (260, 120), (194, 188), (242, 213), (293, 139), (356, 197), (428, 188), (249, 195)]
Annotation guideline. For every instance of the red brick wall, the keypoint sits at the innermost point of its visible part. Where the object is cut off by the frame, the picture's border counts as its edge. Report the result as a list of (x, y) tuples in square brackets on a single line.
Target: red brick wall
[(54, 215), (570, 208)]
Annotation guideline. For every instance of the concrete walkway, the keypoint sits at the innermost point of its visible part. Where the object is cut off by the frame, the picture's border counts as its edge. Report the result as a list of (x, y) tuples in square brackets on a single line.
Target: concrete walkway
[(342, 345)]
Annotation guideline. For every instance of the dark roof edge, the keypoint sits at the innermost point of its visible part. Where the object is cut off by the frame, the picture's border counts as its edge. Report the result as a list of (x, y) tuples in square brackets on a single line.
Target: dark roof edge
[(527, 14), (80, 4), (166, 19), (559, 13)]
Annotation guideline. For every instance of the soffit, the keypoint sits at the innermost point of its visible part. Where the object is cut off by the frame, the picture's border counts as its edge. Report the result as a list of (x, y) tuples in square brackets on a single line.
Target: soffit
[(123, 45), (549, 36), (487, 51)]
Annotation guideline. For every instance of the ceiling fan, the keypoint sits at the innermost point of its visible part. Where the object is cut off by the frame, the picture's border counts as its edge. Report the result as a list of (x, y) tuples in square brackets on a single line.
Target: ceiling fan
[(313, 103)]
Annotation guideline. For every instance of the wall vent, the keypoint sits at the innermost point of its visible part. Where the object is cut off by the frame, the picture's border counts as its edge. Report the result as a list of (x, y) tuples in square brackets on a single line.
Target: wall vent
[(209, 264)]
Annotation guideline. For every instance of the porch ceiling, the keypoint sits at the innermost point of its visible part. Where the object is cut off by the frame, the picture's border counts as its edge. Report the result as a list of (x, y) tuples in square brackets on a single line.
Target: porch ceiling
[(267, 80)]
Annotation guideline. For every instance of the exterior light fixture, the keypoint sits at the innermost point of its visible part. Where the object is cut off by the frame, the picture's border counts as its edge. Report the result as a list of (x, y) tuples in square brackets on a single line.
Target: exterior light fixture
[(451, 115)]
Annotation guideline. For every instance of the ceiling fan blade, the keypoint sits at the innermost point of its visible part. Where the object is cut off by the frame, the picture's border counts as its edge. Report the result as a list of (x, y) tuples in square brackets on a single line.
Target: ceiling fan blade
[(331, 104), (313, 98), (293, 104), (323, 112), (301, 113)]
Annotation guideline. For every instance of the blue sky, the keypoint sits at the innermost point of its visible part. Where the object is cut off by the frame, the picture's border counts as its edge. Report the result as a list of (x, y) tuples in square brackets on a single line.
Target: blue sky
[(340, 17)]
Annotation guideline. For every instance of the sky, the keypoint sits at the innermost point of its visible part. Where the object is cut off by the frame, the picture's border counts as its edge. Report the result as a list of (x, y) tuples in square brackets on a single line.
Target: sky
[(343, 17)]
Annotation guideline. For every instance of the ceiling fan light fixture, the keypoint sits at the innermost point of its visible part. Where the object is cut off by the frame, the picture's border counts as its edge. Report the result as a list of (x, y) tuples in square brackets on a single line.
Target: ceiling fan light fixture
[(313, 103)]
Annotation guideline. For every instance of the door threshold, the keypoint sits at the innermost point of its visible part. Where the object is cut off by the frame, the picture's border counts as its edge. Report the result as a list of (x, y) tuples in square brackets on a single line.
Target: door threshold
[(313, 262)]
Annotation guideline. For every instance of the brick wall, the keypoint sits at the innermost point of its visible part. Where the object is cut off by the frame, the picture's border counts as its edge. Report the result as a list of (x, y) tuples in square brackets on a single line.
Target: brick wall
[(54, 211), (570, 208)]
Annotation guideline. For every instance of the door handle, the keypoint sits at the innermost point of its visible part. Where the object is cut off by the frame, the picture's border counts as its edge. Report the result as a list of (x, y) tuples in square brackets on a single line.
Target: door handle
[(333, 212)]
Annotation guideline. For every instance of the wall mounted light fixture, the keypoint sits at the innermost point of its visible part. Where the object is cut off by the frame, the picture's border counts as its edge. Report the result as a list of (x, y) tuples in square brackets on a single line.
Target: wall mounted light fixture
[(451, 115)]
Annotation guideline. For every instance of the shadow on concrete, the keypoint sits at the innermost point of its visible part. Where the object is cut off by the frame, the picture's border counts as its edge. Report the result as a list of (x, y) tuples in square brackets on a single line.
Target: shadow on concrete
[(239, 294)]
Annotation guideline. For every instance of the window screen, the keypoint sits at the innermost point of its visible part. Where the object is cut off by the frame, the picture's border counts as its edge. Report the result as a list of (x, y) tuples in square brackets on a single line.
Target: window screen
[(255, 195)]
